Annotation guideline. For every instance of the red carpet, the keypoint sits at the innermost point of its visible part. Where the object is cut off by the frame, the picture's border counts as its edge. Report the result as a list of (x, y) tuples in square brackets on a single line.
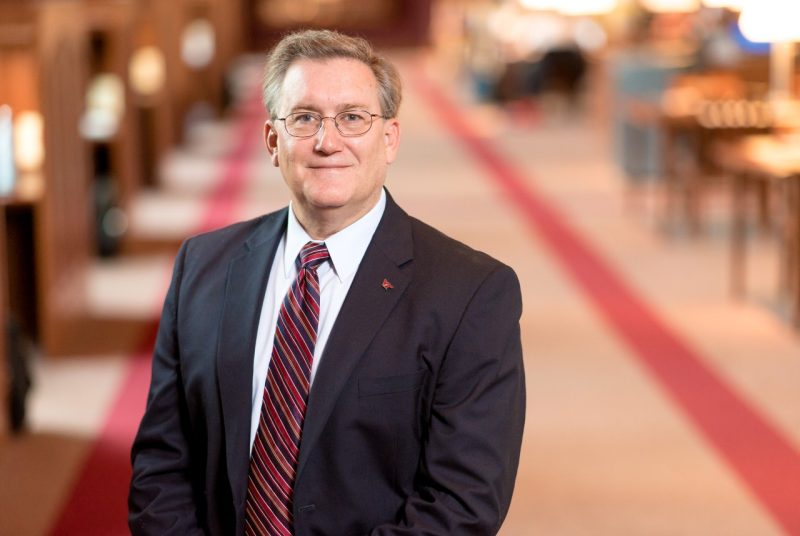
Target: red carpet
[(98, 502), (764, 460)]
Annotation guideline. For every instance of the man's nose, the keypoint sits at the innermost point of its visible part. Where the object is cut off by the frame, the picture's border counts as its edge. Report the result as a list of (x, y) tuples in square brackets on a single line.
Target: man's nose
[(329, 138)]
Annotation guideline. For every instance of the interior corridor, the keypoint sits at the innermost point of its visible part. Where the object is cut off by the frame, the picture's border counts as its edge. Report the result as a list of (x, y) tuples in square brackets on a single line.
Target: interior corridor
[(657, 403)]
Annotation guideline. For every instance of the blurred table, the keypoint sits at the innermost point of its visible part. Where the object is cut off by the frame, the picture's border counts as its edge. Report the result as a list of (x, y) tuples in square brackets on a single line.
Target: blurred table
[(774, 159)]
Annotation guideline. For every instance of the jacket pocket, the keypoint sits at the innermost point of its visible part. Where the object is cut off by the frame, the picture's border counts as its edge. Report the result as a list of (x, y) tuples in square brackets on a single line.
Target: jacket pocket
[(391, 384)]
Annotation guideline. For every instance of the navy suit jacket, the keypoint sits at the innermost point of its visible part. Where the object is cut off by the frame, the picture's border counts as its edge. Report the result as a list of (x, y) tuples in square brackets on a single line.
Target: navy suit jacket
[(415, 417)]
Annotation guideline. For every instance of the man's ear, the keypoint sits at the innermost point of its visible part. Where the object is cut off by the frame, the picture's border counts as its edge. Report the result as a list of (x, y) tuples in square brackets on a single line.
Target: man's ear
[(391, 138), (271, 142)]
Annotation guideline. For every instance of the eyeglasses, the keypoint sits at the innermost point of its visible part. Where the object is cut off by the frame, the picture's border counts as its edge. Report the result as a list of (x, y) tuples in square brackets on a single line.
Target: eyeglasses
[(349, 123)]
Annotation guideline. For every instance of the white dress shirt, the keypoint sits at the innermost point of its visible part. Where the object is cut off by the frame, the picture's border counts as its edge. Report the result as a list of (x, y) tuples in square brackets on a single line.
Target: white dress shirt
[(346, 249)]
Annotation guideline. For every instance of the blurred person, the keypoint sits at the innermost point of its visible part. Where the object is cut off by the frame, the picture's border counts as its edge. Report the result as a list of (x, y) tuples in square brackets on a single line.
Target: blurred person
[(336, 367)]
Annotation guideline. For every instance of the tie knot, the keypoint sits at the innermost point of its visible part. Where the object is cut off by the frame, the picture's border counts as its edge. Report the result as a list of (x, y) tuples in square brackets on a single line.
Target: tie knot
[(312, 255)]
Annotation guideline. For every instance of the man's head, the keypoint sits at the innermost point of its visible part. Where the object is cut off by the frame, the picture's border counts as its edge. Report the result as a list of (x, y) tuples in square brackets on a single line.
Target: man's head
[(321, 45), (325, 80)]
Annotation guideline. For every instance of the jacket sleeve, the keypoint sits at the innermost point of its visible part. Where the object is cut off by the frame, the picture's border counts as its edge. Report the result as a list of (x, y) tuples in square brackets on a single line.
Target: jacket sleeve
[(470, 458), (162, 499)]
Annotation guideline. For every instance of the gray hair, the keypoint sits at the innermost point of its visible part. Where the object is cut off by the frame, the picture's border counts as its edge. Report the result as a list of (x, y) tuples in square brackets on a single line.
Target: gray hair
[(328, 44)]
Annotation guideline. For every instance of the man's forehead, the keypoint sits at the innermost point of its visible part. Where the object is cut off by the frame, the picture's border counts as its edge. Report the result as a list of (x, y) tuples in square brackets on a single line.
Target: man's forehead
[(329, 78), (305, 67)]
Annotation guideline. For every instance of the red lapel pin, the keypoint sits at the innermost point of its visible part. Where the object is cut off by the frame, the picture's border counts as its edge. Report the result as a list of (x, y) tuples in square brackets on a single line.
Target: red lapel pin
[(386, 285)]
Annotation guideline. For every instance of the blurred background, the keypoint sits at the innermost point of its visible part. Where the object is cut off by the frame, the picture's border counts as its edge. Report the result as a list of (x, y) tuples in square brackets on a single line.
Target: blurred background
[(637, 162)]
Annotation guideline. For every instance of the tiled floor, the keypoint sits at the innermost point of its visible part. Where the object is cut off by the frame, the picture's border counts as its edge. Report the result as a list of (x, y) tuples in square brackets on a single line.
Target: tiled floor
[(607, 451)]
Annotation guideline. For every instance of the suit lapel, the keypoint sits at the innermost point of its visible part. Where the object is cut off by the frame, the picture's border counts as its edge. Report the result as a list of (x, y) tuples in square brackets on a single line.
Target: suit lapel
[(244, 295), (363, 312)]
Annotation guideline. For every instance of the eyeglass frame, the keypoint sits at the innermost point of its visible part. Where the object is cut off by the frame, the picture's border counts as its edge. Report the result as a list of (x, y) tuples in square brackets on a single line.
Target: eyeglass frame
[(322, 119)]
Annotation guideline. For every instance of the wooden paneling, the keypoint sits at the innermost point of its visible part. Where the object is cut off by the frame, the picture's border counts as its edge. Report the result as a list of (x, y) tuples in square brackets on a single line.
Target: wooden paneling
[(383, 22), (17, 65), (49, 50), (45, 57), (63, 229)]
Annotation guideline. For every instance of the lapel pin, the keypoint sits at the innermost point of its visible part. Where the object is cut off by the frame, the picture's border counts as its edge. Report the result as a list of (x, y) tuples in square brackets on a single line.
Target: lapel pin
[(386, 285)]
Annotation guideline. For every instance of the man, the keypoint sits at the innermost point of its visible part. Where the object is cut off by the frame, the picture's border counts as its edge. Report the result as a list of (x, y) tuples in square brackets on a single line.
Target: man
[(337, 367)]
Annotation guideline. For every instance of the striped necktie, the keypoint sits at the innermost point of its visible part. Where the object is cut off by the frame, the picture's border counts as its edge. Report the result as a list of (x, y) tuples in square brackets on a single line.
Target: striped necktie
[(275, 450)]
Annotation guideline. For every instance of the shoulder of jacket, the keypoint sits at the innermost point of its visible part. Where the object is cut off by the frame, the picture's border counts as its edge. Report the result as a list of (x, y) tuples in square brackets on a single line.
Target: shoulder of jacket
[(429, 241)]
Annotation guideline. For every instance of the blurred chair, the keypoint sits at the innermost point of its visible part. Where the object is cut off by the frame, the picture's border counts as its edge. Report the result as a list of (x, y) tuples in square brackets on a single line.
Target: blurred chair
[(639, 79)]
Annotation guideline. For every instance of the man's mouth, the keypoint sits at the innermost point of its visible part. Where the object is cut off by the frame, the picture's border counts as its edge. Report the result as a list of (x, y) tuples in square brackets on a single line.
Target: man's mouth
[(330, 166)]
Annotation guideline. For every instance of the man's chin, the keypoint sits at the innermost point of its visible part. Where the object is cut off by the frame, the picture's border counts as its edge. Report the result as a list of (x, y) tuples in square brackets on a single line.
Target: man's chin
[(329, 195), (326, 203)]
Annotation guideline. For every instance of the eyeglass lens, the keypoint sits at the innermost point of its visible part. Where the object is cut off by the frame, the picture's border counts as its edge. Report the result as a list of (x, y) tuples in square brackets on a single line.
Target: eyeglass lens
[(349, 123)]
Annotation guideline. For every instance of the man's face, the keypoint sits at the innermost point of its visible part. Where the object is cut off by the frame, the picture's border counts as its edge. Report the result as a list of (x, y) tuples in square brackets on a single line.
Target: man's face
[(332, 178)]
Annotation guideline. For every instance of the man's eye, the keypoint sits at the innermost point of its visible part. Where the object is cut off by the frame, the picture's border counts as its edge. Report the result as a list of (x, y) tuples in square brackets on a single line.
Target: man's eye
[(351, 117), (303, 118)]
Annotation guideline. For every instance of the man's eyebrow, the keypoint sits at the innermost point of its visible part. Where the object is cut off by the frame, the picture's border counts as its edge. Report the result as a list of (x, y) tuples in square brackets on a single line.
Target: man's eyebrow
[(349, 106), (308, 107), (339, 108)]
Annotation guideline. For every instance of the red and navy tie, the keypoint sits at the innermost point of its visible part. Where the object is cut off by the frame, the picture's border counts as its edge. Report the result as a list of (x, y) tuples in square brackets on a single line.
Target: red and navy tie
[(277, 443)]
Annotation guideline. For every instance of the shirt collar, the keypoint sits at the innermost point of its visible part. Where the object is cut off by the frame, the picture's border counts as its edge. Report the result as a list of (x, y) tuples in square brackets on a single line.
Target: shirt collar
[(346, 248)]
